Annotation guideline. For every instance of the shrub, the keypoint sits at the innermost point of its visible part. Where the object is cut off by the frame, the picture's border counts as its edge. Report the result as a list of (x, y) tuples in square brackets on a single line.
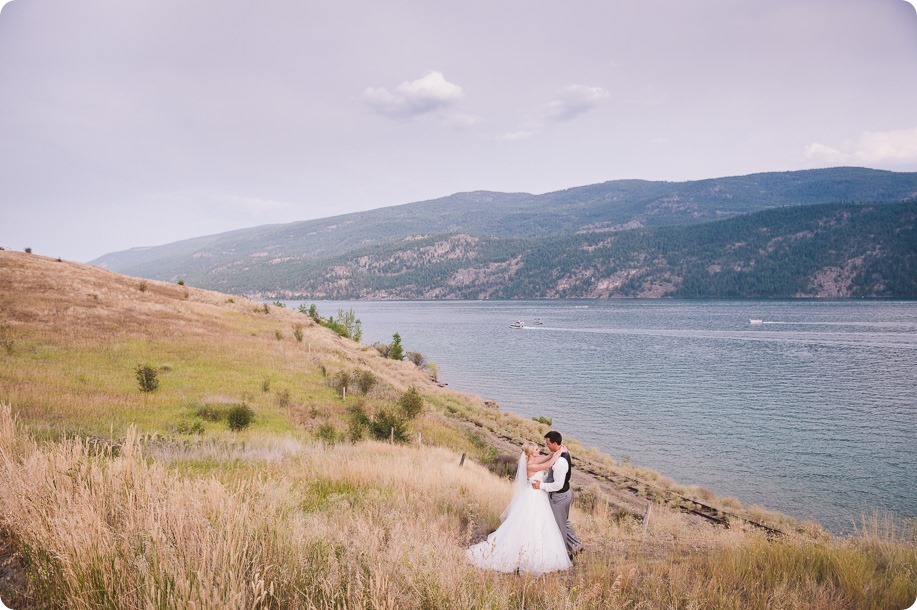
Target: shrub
[(181, 282), (184, 427), (266, 385), (265, 308), (283, 399), (339, 380), (210, 413), (386, 425), (547, 421), (278, 334), (417, 358), (312, 311), (411, 403), (28, 250), (240, 417), (279, 304), (382, 348), (142, 286), (365, 380), (328, 434), (505, 466), (357, 422), (147, 377), (297, 332), (432, 369)]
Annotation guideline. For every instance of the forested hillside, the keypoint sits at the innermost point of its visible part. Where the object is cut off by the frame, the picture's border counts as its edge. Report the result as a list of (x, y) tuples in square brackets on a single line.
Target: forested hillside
[(494, 220), (831, 250)]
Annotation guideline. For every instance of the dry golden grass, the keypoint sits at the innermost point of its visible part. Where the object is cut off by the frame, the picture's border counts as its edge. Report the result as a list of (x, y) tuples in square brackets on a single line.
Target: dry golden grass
[(376, 526), (104, 516)]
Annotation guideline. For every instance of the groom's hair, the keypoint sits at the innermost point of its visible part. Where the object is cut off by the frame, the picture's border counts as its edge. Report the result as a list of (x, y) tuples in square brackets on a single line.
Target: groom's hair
[(554, 437)]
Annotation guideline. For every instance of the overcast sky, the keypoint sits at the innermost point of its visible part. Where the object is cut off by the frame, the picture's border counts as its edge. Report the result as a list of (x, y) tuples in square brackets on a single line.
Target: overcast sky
[(129, 123)]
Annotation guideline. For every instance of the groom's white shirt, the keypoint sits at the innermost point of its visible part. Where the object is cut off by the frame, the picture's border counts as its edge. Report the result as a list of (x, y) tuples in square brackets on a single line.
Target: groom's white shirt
[(559, 469)]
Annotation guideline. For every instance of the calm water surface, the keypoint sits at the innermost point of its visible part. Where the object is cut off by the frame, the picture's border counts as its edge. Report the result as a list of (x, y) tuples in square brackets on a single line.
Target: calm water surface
[(812, 413)]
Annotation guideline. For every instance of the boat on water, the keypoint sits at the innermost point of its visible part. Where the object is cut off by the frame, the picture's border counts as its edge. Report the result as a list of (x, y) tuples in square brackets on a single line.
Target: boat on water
[(755, 321), (517, 324), (537, 322)]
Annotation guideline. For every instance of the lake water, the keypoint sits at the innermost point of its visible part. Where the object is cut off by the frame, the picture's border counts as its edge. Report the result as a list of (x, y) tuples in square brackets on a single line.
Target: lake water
[(812, 413)]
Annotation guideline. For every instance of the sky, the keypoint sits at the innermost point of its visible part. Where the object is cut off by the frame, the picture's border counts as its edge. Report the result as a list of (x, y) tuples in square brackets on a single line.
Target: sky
[(127, 123)]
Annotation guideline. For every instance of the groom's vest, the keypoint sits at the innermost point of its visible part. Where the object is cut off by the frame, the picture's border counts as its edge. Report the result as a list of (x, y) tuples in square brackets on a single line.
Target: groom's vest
[(549, 476)]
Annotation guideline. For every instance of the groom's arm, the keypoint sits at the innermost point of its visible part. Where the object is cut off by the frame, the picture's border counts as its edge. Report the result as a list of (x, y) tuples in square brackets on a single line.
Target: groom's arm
[(560, 473)]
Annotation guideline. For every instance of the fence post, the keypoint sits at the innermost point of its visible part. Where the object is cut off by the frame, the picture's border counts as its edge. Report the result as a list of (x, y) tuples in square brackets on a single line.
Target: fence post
[(462, 461), (392, 437)]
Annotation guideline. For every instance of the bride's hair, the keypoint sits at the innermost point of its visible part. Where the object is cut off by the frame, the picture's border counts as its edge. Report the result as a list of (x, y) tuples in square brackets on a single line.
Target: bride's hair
[(529, 448)]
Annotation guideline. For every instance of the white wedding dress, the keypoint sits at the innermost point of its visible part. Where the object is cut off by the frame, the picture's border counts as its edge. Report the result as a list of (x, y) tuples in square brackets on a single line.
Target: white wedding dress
[(529, 539)]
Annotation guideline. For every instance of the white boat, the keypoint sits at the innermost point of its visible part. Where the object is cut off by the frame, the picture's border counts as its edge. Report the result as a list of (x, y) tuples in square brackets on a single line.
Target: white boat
[(517, 324), (755, 321)]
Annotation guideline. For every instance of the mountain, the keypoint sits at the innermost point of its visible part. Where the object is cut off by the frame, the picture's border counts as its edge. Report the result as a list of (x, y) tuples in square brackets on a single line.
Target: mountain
[(828, 250), (285, 259)]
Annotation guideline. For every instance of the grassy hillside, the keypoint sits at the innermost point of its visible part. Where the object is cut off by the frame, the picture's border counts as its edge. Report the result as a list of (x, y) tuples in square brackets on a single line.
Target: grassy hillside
[(218, 261), (116, 498)]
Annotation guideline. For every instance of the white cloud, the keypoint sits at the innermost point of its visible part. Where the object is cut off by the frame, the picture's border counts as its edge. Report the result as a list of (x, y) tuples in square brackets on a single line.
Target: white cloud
[(574, 100), (872, 147), (425, 95)]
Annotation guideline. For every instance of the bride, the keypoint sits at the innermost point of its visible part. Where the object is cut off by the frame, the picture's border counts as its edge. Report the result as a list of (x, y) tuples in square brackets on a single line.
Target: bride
[(528, 540)]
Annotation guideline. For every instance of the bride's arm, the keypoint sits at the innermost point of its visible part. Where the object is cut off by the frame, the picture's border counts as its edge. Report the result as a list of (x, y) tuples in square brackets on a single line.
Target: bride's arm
[(535, 466)]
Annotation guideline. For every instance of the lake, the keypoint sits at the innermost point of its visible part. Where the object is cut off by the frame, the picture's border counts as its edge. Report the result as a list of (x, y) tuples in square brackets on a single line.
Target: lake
[(812, 412)]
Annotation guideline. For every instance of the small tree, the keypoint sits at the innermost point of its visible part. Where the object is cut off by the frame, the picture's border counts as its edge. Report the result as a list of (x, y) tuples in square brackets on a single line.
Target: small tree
[(396, 352), (147, 377), (28, 250), (411, 403), (351, 324), (297, 332)]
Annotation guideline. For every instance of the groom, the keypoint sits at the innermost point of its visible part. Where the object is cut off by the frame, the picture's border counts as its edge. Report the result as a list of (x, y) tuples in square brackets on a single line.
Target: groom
[(557, 484)]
